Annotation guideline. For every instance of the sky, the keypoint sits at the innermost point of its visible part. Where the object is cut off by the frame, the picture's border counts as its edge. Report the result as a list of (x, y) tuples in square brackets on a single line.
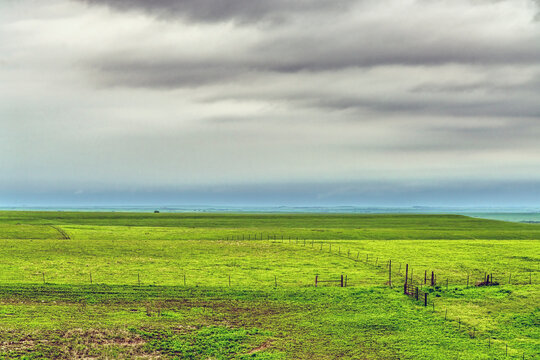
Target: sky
[(270, 102)]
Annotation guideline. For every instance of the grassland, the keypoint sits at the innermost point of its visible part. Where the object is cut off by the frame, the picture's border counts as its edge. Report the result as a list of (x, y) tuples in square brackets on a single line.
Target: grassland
[(199, 286)]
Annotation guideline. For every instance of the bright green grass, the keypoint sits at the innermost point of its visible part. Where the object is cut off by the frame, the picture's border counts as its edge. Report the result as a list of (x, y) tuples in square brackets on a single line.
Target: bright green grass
[(165, 262), (252, 318), (312, 226), (325, 323)]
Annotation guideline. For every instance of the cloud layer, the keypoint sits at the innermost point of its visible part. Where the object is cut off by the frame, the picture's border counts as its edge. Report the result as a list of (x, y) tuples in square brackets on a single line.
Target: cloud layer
[(100, 95)]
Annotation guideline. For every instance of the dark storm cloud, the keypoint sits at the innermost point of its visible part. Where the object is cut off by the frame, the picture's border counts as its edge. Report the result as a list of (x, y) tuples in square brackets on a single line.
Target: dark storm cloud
[(224, 10)]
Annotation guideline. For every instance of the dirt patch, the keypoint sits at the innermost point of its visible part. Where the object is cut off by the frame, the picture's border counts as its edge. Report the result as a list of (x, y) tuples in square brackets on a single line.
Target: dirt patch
[(264, 346)]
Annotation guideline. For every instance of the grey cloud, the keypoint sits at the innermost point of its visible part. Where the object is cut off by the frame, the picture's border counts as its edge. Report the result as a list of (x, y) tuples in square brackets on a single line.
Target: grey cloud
[(315, 43), (243, 11), (296, 54), (111, 100), (498, 107)]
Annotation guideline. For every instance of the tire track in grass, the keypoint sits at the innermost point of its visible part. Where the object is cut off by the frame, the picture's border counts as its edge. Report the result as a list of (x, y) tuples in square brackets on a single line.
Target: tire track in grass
[(64, 234)]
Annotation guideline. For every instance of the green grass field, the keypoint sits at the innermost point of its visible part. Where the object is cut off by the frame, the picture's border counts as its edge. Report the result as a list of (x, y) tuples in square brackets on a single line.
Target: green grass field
[(241, 286)]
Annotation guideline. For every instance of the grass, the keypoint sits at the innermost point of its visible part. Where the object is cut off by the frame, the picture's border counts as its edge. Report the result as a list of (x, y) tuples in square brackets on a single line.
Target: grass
[(114, 286)]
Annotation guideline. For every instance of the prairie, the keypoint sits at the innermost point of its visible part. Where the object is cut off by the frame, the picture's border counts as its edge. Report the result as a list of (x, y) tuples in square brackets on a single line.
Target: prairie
[(242, 286)]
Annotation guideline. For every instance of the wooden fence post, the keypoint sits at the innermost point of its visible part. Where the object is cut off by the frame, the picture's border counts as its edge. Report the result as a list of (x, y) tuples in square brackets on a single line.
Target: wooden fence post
[(406, 278), (341, 280), (316, 278), (432, 279), (390, 273), (425, 299), (467, 280), (425, 277), (416, 293)]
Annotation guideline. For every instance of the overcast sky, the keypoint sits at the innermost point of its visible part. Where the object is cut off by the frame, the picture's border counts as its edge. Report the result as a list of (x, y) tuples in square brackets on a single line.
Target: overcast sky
[(364, 102)]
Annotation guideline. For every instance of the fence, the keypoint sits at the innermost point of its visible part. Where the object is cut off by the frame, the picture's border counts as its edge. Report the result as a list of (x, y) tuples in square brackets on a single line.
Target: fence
[(416, 292)]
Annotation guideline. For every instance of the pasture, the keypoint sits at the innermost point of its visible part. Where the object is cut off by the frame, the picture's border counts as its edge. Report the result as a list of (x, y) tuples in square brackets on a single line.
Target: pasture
[(242, 286)]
